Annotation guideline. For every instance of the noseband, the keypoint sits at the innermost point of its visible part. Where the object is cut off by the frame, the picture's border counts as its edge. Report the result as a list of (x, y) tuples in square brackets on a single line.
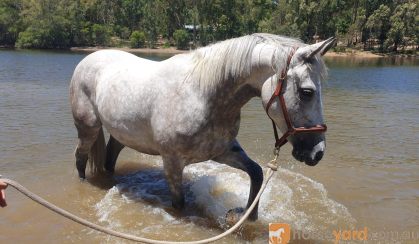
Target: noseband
[(279, 93)]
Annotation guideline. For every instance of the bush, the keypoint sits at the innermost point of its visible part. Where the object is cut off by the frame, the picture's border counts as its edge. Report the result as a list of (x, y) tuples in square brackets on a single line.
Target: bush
[(137, 39), (339, 49), (83, 36), (45, 35), (100, 35), (122, 32), (30, 38), (181, 38), (152, 38), (166, 45), (115, 42)]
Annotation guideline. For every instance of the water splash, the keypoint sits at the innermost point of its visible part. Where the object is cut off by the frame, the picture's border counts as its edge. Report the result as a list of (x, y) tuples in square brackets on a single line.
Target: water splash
[(212, 189)]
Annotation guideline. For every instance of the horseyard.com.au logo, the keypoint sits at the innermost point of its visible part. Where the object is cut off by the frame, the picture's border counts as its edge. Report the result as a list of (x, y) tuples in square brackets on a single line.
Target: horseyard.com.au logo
[(279, 233)]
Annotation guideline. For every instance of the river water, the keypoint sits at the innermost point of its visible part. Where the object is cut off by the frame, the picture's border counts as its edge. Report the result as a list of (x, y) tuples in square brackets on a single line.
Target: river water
[(369, 177)]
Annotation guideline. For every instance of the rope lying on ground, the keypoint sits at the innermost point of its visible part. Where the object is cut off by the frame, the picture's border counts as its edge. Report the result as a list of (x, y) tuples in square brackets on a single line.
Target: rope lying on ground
[(272, 168)]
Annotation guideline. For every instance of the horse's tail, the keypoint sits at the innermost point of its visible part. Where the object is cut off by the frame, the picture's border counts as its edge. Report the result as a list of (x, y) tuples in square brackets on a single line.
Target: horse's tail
[(97, 154)]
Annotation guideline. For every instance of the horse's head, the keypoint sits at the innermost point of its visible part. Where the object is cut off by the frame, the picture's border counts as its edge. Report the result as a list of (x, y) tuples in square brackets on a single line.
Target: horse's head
[(303, 102)]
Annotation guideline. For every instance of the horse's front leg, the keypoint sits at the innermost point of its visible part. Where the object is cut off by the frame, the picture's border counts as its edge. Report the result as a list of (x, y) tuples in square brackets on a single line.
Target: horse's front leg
[(113, 149), (237, 158), (173, 169)]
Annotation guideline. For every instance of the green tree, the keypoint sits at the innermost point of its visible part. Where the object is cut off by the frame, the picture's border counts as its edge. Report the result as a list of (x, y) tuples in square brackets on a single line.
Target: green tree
[(379, 24), (76, 14), (65, 23), (354, 34), (10, 23), (281, 21), (46, 25), (132, 11), (402, 25), (101, 34), (152, 21), (176, 14), (181, 37), (137, 39)]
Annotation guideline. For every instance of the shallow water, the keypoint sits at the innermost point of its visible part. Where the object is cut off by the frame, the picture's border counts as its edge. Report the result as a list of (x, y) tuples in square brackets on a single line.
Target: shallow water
[(369, 176)]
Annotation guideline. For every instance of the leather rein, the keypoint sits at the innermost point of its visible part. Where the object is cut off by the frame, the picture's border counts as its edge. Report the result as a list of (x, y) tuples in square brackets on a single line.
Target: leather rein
[(279, 93)]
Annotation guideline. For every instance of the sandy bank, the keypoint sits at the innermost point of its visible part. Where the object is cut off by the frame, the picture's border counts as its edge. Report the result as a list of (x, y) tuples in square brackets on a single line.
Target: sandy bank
[(168, 51), (352, 53)]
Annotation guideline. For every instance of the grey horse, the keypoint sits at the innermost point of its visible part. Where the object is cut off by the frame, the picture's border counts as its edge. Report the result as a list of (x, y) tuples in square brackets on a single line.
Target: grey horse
[(187, 108)]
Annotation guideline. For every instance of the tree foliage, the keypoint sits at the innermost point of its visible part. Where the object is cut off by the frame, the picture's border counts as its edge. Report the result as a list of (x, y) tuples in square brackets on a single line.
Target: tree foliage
[(379, 23), (384, 24), (137, 39), (182, 39)]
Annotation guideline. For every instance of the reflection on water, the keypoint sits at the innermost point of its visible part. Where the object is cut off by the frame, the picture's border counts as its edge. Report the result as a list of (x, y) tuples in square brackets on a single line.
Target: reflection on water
[(368, 177)]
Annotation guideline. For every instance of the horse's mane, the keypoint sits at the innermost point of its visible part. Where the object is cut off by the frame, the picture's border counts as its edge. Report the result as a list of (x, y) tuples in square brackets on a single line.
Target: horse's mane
[(231, 59)]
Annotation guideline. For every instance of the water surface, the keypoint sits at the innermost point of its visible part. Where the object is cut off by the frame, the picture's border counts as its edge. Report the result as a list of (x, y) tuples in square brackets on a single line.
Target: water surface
[(368, 177)]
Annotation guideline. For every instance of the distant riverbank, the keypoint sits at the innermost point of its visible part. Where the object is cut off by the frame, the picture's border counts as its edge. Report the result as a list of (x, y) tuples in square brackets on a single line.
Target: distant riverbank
[(168, 51), (351, 53), (172, 51), (354, 53)]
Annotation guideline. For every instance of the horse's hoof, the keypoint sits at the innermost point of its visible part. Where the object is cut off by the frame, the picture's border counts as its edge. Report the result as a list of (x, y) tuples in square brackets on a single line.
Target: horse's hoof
[(233, 216), (178, 204), (82, 174), (82, 179)]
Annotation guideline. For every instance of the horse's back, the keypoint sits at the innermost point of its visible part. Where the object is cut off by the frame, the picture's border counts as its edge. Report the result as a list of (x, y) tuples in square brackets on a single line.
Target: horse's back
[(90, 70), (105, 59)]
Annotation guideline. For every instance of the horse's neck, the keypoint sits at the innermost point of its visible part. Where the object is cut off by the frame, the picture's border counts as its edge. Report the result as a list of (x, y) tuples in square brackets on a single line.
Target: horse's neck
[(235, 93), (267, 61), (228, 97), (227, 102)]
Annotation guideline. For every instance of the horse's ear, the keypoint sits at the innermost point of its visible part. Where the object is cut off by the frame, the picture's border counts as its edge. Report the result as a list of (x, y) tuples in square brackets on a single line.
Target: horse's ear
[(310, 51), (330, 43)]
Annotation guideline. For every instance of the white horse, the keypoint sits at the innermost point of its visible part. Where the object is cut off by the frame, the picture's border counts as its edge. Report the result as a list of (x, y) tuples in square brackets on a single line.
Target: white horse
[(187, 108)]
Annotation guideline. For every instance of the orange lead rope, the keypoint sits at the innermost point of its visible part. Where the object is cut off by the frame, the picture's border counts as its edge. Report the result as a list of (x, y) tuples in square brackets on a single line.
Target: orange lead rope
[(279, 142)]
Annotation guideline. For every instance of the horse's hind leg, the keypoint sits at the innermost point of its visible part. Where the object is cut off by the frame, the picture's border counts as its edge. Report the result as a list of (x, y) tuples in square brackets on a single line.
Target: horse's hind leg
[(81, 162), (87, 137), (173, 169), (113, 148), (91, 145), (237, 158)]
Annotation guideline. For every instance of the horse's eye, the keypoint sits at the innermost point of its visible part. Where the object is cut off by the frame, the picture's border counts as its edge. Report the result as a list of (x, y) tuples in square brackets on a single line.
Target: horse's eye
[(306, 93)]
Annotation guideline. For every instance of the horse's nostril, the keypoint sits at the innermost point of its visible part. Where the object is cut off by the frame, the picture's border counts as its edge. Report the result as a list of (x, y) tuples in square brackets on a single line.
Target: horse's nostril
[(319, 156)]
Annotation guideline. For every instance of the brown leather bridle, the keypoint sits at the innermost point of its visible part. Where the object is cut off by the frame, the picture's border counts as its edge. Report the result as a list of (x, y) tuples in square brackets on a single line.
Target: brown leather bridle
[(279, 142)]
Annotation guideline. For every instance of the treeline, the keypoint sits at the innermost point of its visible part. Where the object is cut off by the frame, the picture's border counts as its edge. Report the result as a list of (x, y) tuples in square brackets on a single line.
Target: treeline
[(381, 24)]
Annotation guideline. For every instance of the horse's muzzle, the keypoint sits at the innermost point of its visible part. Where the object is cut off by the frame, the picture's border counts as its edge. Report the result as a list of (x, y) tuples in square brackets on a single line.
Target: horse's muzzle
[(311, 156)]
